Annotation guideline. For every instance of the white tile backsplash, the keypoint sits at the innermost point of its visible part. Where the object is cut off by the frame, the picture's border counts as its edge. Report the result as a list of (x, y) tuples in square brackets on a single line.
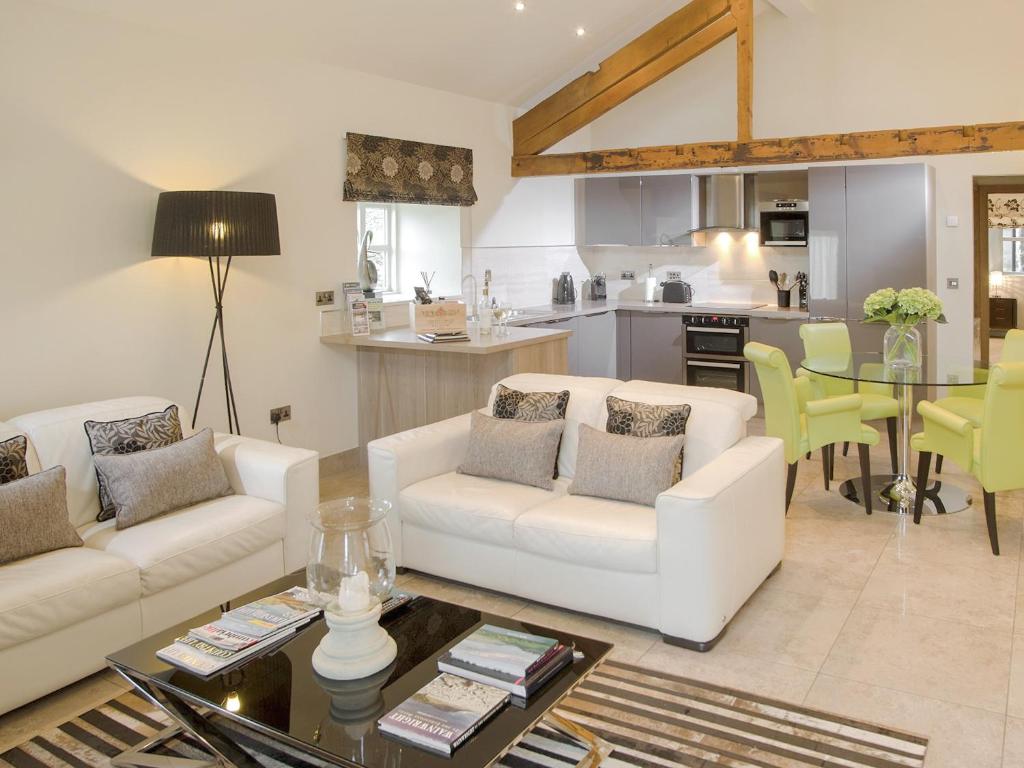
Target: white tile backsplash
[(724, 271)]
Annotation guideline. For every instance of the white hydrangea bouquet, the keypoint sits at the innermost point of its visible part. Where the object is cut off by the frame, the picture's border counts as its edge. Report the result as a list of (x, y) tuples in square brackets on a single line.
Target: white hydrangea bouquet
[(903, 310)]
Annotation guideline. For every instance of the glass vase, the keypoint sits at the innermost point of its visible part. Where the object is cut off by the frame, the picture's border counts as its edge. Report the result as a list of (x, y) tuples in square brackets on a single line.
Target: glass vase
[(902, 346), (350, 536)]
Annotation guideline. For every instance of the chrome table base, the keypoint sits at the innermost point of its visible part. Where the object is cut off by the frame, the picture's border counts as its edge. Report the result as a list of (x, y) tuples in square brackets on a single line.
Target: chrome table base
[(940, 498)]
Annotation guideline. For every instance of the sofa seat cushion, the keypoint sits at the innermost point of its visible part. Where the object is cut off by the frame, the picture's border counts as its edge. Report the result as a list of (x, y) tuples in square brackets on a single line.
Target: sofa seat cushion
[(600, 533), (54, 590), (477, 508), (180, 546)]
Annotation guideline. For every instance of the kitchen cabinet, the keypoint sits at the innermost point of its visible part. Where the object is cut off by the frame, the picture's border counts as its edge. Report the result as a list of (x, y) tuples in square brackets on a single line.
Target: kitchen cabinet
[(784, 334), (573, 342), (608, 211), (656, 347), (622, 325), (666, 209), (597, 348)]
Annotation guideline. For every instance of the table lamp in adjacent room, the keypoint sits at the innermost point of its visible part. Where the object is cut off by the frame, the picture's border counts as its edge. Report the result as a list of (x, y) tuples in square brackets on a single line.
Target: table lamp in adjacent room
[(216, 225), (996, 281)]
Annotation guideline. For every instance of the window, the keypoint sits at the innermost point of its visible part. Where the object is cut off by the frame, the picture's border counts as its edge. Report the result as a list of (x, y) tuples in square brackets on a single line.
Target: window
[(1013, 249), (381, 220)]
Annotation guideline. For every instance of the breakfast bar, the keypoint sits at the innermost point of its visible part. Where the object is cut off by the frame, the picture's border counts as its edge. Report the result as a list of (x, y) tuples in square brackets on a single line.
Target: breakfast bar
[(405, 382)]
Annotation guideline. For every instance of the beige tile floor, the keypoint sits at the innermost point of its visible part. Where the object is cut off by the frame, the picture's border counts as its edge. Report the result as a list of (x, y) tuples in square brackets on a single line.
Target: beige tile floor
[(910, 626)]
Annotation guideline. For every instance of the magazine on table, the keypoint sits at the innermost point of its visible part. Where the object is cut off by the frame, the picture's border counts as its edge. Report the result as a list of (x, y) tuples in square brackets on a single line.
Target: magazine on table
[(441, 715)]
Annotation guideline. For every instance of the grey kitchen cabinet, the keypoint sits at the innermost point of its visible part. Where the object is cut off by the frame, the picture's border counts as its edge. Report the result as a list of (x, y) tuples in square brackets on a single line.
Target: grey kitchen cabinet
[(656, 347), (666, 209), (608, 211), (784, 334), (597, 347), (622, 324), (573, 342)]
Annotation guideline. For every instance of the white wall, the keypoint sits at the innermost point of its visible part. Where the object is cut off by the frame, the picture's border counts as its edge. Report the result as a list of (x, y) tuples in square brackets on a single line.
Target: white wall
[(850, 66), (98, 118)]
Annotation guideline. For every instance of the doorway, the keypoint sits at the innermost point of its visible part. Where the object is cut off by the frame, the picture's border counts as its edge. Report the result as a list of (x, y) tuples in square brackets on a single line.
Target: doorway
[(998, 261)]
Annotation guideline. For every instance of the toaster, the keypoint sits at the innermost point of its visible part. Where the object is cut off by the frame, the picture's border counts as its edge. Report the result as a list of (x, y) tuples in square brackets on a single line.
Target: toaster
[(676, 292)]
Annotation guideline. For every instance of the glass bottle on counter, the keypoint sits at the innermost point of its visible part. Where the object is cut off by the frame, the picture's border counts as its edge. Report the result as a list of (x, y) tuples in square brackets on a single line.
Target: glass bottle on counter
[(484, 313)]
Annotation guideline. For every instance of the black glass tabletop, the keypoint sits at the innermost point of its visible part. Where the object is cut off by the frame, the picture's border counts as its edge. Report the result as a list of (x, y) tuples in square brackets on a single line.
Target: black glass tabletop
[(869, 367), (280, 696)]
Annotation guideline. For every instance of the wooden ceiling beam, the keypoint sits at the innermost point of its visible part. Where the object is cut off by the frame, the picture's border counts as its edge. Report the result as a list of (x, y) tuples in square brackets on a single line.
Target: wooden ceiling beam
[(663, 48), (866, 145)]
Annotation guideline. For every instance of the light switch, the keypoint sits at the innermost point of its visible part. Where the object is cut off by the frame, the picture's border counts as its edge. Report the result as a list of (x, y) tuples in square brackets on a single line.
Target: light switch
[(952, 283), (952, 221)]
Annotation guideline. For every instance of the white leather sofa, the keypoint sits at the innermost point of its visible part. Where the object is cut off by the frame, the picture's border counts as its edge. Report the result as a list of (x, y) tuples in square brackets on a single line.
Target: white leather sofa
[(684, 566), (62, 612)]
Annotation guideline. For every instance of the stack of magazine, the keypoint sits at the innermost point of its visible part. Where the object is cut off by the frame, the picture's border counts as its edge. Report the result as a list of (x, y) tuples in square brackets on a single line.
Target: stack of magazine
[(513, 661), (479, 676), (443, 336), (240, 633)]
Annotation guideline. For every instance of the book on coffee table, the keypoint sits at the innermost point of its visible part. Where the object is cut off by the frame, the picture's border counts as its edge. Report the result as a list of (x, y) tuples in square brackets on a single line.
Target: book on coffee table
[(521, 687), (444, 713), (505, 650)]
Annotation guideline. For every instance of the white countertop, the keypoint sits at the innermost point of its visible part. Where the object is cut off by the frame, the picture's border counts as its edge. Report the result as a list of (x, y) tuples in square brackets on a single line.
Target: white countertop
[(543, 313), (405, 338)]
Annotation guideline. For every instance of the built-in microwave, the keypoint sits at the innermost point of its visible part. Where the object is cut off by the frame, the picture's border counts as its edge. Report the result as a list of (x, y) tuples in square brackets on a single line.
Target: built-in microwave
[(784, 222)]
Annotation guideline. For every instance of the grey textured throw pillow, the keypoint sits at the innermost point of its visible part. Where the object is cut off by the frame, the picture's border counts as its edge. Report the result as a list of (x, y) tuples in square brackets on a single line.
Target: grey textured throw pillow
[(13, 465), (131, 435), (148, 484), (34, 516), (624, 468), (519, 451), (626, 417)]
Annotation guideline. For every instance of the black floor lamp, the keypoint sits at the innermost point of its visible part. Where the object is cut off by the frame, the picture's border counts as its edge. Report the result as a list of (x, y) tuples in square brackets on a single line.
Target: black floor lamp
[(215, 225)]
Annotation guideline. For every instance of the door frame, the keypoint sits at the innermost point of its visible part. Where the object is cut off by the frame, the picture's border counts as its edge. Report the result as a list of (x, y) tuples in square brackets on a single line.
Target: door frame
[(983, 187)]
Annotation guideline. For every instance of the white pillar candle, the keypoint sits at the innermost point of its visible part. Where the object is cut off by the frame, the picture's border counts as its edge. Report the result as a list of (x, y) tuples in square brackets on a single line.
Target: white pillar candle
[(354, 595)]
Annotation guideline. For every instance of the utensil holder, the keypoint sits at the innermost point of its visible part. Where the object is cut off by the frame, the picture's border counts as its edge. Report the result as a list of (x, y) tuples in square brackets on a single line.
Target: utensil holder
[(783, 298)]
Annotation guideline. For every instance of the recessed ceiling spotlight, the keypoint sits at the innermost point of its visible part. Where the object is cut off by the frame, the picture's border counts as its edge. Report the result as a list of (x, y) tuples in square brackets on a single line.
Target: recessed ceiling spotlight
[(520, 6), (580, 31)]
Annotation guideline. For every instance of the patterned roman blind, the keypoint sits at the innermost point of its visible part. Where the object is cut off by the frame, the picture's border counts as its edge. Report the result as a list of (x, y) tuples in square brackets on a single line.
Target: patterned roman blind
[(386, 170), (1005, 211)]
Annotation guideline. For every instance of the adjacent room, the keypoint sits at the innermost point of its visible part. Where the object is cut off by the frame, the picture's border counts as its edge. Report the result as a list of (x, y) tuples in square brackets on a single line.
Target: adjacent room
[(512, 383)]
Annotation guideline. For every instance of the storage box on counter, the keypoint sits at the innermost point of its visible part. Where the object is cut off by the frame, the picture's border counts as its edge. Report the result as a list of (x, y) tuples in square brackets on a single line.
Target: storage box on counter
[(437, 317)]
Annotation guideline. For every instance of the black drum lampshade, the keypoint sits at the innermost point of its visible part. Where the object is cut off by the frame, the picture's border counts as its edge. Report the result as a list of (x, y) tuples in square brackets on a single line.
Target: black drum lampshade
[(216, 223)]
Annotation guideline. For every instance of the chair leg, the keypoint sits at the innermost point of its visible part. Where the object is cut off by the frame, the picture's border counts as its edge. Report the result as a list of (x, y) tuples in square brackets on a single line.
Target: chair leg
[(825, 470), (832, 462), (846, 448), (865, 475), (890, 424), (808, 455), (938, 464), (924, 462), (790, 483), (990, 519)]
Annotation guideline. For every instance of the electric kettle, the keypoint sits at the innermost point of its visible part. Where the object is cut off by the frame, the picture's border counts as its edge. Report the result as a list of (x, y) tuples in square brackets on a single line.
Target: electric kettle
[(565, 291)]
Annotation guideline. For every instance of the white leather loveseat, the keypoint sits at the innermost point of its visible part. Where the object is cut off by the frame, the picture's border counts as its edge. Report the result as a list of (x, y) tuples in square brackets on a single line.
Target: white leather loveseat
[(683, 567), (62, 612)]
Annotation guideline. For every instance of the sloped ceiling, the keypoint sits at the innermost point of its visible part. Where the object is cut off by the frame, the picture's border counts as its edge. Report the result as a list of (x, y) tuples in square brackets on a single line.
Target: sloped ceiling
[(479, 48)]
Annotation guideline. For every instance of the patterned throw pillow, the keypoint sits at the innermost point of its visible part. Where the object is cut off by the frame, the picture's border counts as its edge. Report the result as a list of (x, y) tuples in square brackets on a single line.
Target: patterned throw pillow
[(644, 420), (13, 465), (140, 433), (531, 407)]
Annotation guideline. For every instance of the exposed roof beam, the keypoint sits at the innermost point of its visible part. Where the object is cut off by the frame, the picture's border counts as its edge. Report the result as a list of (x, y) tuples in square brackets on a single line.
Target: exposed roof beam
[(944, 140)]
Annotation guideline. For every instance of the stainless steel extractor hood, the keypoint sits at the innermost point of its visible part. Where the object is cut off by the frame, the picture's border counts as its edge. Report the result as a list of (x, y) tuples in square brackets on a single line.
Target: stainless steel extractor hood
[(723, 202)]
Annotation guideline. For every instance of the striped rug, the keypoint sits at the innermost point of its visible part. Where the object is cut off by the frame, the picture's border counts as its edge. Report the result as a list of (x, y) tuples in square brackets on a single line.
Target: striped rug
[(650, 719), (637, 718)]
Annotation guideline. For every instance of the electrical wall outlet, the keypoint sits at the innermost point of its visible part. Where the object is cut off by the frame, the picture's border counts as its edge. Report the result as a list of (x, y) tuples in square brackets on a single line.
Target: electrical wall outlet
[(627, 274), (277, 415), (324, 298), (953, 283), (673, 275)]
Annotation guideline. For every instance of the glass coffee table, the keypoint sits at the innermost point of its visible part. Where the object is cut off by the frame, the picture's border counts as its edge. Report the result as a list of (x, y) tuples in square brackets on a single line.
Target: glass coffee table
[(277, 699)]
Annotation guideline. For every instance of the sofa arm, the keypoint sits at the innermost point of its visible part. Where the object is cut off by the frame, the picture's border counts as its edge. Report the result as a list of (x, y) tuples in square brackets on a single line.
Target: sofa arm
[(290, 476), (721, 532), (397, 461)]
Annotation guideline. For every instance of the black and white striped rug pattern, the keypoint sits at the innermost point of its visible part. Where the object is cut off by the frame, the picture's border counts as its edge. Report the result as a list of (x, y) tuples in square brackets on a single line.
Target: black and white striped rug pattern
[(654, 720)]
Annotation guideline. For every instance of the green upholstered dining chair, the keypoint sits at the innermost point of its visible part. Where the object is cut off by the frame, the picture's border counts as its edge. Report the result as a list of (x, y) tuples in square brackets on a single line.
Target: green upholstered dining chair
[(830, 343), (804, 423), (992, 453), (969, 402)]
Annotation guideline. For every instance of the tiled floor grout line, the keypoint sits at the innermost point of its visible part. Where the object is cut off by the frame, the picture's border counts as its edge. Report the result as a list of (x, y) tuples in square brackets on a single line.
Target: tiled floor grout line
[(1009, 672)]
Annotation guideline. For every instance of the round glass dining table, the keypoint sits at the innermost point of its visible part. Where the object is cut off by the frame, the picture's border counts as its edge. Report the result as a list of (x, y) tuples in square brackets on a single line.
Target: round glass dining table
[(897, 491)]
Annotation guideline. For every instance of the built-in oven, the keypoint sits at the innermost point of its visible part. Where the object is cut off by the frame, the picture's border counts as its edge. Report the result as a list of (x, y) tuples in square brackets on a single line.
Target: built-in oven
[(784, 222), (713, 351)]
